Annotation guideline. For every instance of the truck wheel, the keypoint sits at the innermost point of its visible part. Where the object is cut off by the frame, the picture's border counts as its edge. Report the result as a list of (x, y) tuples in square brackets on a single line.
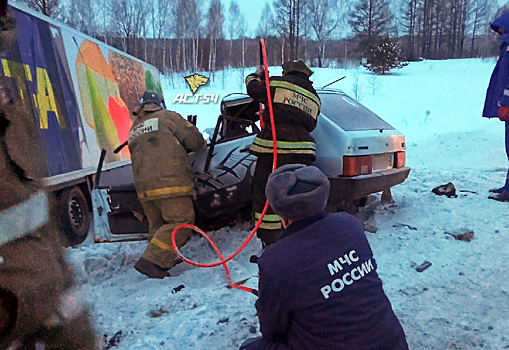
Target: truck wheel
[(74, 215)]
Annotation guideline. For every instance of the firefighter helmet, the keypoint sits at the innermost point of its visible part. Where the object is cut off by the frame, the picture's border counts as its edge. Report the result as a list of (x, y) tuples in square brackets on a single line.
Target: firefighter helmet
[(149, 96)]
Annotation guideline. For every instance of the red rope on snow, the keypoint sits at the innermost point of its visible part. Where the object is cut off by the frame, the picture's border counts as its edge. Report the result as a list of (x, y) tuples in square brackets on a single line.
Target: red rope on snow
[(223, 261)]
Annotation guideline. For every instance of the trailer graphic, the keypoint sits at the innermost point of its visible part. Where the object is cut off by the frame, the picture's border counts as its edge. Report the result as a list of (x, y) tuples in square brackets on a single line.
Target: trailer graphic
[(80, 93)]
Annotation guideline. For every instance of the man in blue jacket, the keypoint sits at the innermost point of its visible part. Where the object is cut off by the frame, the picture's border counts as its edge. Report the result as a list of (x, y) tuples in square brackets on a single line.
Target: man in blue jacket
[(318, 285), (497, 96)]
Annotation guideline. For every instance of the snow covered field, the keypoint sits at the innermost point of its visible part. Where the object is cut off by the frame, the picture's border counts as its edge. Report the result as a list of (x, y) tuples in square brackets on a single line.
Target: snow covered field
[(460, 302)]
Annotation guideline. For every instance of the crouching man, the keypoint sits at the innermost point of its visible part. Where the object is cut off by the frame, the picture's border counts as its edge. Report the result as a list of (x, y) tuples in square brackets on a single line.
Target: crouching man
[(318, 285)]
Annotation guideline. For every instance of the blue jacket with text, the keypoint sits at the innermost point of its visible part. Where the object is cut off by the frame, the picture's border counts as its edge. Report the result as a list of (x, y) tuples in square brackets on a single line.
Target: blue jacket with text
[(498, 90), (319, 289)]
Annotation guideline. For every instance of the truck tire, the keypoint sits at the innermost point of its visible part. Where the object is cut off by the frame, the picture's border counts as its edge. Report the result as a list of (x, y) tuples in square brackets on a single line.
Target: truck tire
[(74, 215)]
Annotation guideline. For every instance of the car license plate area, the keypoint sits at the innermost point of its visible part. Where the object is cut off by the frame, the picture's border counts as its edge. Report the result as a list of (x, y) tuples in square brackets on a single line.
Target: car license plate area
[(381, 161)]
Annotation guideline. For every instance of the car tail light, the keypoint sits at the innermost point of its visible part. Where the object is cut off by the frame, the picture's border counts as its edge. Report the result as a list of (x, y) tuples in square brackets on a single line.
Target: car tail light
[(360, 165), (399, 159)]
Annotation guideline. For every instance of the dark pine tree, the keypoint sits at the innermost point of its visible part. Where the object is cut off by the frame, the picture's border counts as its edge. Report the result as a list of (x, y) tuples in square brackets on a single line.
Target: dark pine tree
[(382, 55)]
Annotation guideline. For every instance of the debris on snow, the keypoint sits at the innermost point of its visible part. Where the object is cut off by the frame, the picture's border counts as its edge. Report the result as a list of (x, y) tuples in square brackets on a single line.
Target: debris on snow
[(158, 313), (405, 225), (466, 236), (445, 190), (423, 266), (114, 341), (370, 228), (177, 289), (224, 320)]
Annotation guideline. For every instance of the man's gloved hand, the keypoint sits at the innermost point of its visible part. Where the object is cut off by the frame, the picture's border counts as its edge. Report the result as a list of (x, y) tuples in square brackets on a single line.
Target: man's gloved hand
[(256, 76), (260, 72), (503, 113)]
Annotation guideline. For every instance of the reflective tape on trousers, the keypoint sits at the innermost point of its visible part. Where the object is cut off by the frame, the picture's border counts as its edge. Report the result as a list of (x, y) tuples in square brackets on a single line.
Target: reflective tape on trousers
[(283, 147), (24, 218)]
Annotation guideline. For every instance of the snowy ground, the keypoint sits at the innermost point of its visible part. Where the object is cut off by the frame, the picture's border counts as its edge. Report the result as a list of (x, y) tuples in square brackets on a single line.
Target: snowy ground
[(460, 302)]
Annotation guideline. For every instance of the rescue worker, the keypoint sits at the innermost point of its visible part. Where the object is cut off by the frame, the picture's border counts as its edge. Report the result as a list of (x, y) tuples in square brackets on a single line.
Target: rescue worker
[(39, 302), (296, 107), (318, 285), (496, 104), (159, 142)]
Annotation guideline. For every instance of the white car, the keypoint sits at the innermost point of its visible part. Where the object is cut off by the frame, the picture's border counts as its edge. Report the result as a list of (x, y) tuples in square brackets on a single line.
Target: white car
[(359, 152)]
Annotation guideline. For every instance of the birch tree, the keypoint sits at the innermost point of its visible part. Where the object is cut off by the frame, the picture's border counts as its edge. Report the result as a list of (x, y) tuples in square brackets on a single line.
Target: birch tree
[(214, 30), (324, 20)]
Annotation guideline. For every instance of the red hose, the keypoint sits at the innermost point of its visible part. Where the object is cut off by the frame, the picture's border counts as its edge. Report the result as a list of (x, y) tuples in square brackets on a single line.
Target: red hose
[(223, 261)]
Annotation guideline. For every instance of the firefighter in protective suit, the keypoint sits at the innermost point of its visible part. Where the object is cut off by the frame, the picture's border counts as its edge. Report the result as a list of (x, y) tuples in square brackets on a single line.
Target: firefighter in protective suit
[(38, 298), (159, 142), (296, 107)]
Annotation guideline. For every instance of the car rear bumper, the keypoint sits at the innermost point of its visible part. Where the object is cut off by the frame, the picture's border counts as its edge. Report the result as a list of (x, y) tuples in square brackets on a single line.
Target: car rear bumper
[(350, 188)]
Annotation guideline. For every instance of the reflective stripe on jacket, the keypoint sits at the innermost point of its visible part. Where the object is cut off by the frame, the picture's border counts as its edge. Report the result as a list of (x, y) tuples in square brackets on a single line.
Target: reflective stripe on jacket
[(283, 147), (24, 218), (269, 221)]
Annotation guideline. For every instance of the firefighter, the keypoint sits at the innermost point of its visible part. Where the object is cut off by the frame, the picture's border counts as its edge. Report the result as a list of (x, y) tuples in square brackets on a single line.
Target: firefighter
[(159, 142), (39, 302), (296, 107)]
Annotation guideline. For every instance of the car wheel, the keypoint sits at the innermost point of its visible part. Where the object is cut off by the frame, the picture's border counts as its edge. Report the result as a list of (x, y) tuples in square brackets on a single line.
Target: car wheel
[(74, 215)]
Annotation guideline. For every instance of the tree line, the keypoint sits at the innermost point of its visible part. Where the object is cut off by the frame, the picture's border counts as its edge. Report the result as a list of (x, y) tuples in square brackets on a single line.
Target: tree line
[(194, 35)]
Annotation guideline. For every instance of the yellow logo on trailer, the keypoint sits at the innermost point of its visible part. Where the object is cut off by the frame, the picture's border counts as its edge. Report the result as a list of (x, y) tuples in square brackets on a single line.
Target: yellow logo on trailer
[(45, 98)]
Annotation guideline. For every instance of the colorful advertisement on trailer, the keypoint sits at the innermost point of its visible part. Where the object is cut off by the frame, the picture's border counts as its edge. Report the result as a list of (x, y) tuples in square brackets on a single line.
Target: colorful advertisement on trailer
[(80, 91)]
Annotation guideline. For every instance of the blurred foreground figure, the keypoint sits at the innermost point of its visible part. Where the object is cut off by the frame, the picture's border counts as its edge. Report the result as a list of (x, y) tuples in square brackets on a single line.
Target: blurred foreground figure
[(159, 141), (318, 285), (497, 96), (39, 302)]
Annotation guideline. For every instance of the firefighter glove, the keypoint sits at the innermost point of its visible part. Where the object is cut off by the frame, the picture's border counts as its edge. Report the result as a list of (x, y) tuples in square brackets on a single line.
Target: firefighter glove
[(503, 113), (260, 72)]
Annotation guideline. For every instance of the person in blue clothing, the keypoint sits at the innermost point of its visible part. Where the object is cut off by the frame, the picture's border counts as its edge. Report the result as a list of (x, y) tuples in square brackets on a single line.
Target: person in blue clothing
[(318, 285), (497, 96)]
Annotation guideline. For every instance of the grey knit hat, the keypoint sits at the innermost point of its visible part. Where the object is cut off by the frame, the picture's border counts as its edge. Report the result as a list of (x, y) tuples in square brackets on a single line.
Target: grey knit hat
[(297, 191)]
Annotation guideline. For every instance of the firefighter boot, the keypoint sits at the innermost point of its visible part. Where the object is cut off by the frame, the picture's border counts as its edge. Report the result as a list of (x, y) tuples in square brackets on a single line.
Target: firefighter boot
[(150, 269)]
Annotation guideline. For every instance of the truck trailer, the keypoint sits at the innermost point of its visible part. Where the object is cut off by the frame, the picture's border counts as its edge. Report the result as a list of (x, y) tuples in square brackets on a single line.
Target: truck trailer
[(80, 93)]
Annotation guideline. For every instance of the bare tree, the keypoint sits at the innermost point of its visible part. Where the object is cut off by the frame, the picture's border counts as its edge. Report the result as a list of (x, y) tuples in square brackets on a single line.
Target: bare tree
[(372, 18), (242, 34), (103, 12), (81, 16), (324, 19), (141, 13), (411, 24), (163, 26), (129, 18), (232, 26), (289, 20), (443, 28), (478, 18), (187, 29), (215, 30), (46, 7), (123, 20), (266, 26)]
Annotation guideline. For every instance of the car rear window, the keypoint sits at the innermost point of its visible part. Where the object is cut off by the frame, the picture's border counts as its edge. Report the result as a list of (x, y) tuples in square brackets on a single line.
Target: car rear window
[(349, 114)]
